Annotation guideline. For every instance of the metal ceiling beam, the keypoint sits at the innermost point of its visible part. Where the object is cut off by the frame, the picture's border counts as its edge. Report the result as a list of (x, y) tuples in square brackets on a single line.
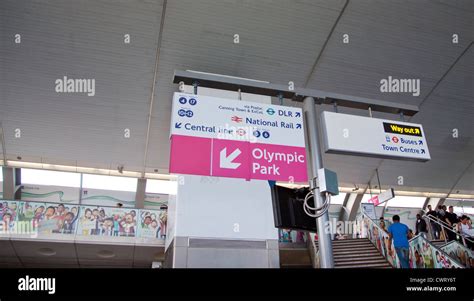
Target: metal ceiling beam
[(230, 83), (153, 85), (4, 149)]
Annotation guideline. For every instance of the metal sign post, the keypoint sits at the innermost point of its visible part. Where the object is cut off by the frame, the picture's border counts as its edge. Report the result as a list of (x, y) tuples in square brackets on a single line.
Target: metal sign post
[(316, 162)]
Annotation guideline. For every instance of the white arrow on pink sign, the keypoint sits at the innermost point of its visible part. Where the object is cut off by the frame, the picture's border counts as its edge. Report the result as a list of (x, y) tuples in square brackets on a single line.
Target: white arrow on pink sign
[(226, 161)]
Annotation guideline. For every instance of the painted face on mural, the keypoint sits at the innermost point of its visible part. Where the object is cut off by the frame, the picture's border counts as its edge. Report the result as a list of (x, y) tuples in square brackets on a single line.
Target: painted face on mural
[(128, 218), (147, 220), (7, 217), (108, 224), (49, 212), (39, 210), (95, 213), (69, 217)]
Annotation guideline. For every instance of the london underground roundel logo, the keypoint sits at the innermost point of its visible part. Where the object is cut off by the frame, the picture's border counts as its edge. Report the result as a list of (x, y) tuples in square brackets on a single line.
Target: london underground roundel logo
[(266, 135), (270, 111), (240, 132), (395, 139), (256, 133)]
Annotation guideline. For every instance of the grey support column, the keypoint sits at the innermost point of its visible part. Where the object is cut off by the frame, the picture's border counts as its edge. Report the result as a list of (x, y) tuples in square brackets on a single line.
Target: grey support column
[(346, 207), (353, 205), (312, 127), (140, 193), (8, 183)]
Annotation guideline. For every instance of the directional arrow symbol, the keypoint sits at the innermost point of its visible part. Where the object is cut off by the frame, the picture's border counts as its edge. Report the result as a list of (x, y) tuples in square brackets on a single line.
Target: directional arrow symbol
[(298, 125), (226, 161), (422, 151), (298, 114), (177, 125), (420, 142)]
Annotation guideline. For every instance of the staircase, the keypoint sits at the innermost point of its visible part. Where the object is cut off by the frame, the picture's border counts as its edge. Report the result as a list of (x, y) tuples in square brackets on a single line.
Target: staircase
[(357, 253)]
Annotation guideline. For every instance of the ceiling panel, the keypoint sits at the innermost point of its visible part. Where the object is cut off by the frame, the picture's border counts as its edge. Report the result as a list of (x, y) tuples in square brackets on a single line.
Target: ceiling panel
[(78, 39), (392, 38)]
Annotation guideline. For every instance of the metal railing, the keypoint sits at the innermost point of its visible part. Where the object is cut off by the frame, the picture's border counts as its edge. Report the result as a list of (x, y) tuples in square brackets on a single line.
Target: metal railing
[(364, 233), (313, 250), (444, 229)]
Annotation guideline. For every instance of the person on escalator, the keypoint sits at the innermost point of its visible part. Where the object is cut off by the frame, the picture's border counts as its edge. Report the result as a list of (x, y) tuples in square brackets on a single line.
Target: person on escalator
[(451, 219), (466, 230), (433, 215), (420, 226), (399, 233)]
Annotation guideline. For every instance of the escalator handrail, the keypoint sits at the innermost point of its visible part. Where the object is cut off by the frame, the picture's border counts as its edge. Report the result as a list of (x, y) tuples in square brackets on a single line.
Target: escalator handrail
[(447, 227)]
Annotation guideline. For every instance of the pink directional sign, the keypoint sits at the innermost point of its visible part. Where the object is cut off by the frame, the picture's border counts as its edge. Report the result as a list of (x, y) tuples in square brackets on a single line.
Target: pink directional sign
[(374, 200), (237, 159), (219, 137)]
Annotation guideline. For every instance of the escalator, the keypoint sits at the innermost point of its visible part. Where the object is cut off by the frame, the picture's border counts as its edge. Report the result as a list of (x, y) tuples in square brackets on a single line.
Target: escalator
[(369, 249), (450, 241)]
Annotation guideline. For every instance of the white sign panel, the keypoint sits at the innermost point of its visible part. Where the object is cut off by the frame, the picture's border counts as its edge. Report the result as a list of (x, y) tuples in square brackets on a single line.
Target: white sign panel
[(356, 135), (369, 210), (214, 117)]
